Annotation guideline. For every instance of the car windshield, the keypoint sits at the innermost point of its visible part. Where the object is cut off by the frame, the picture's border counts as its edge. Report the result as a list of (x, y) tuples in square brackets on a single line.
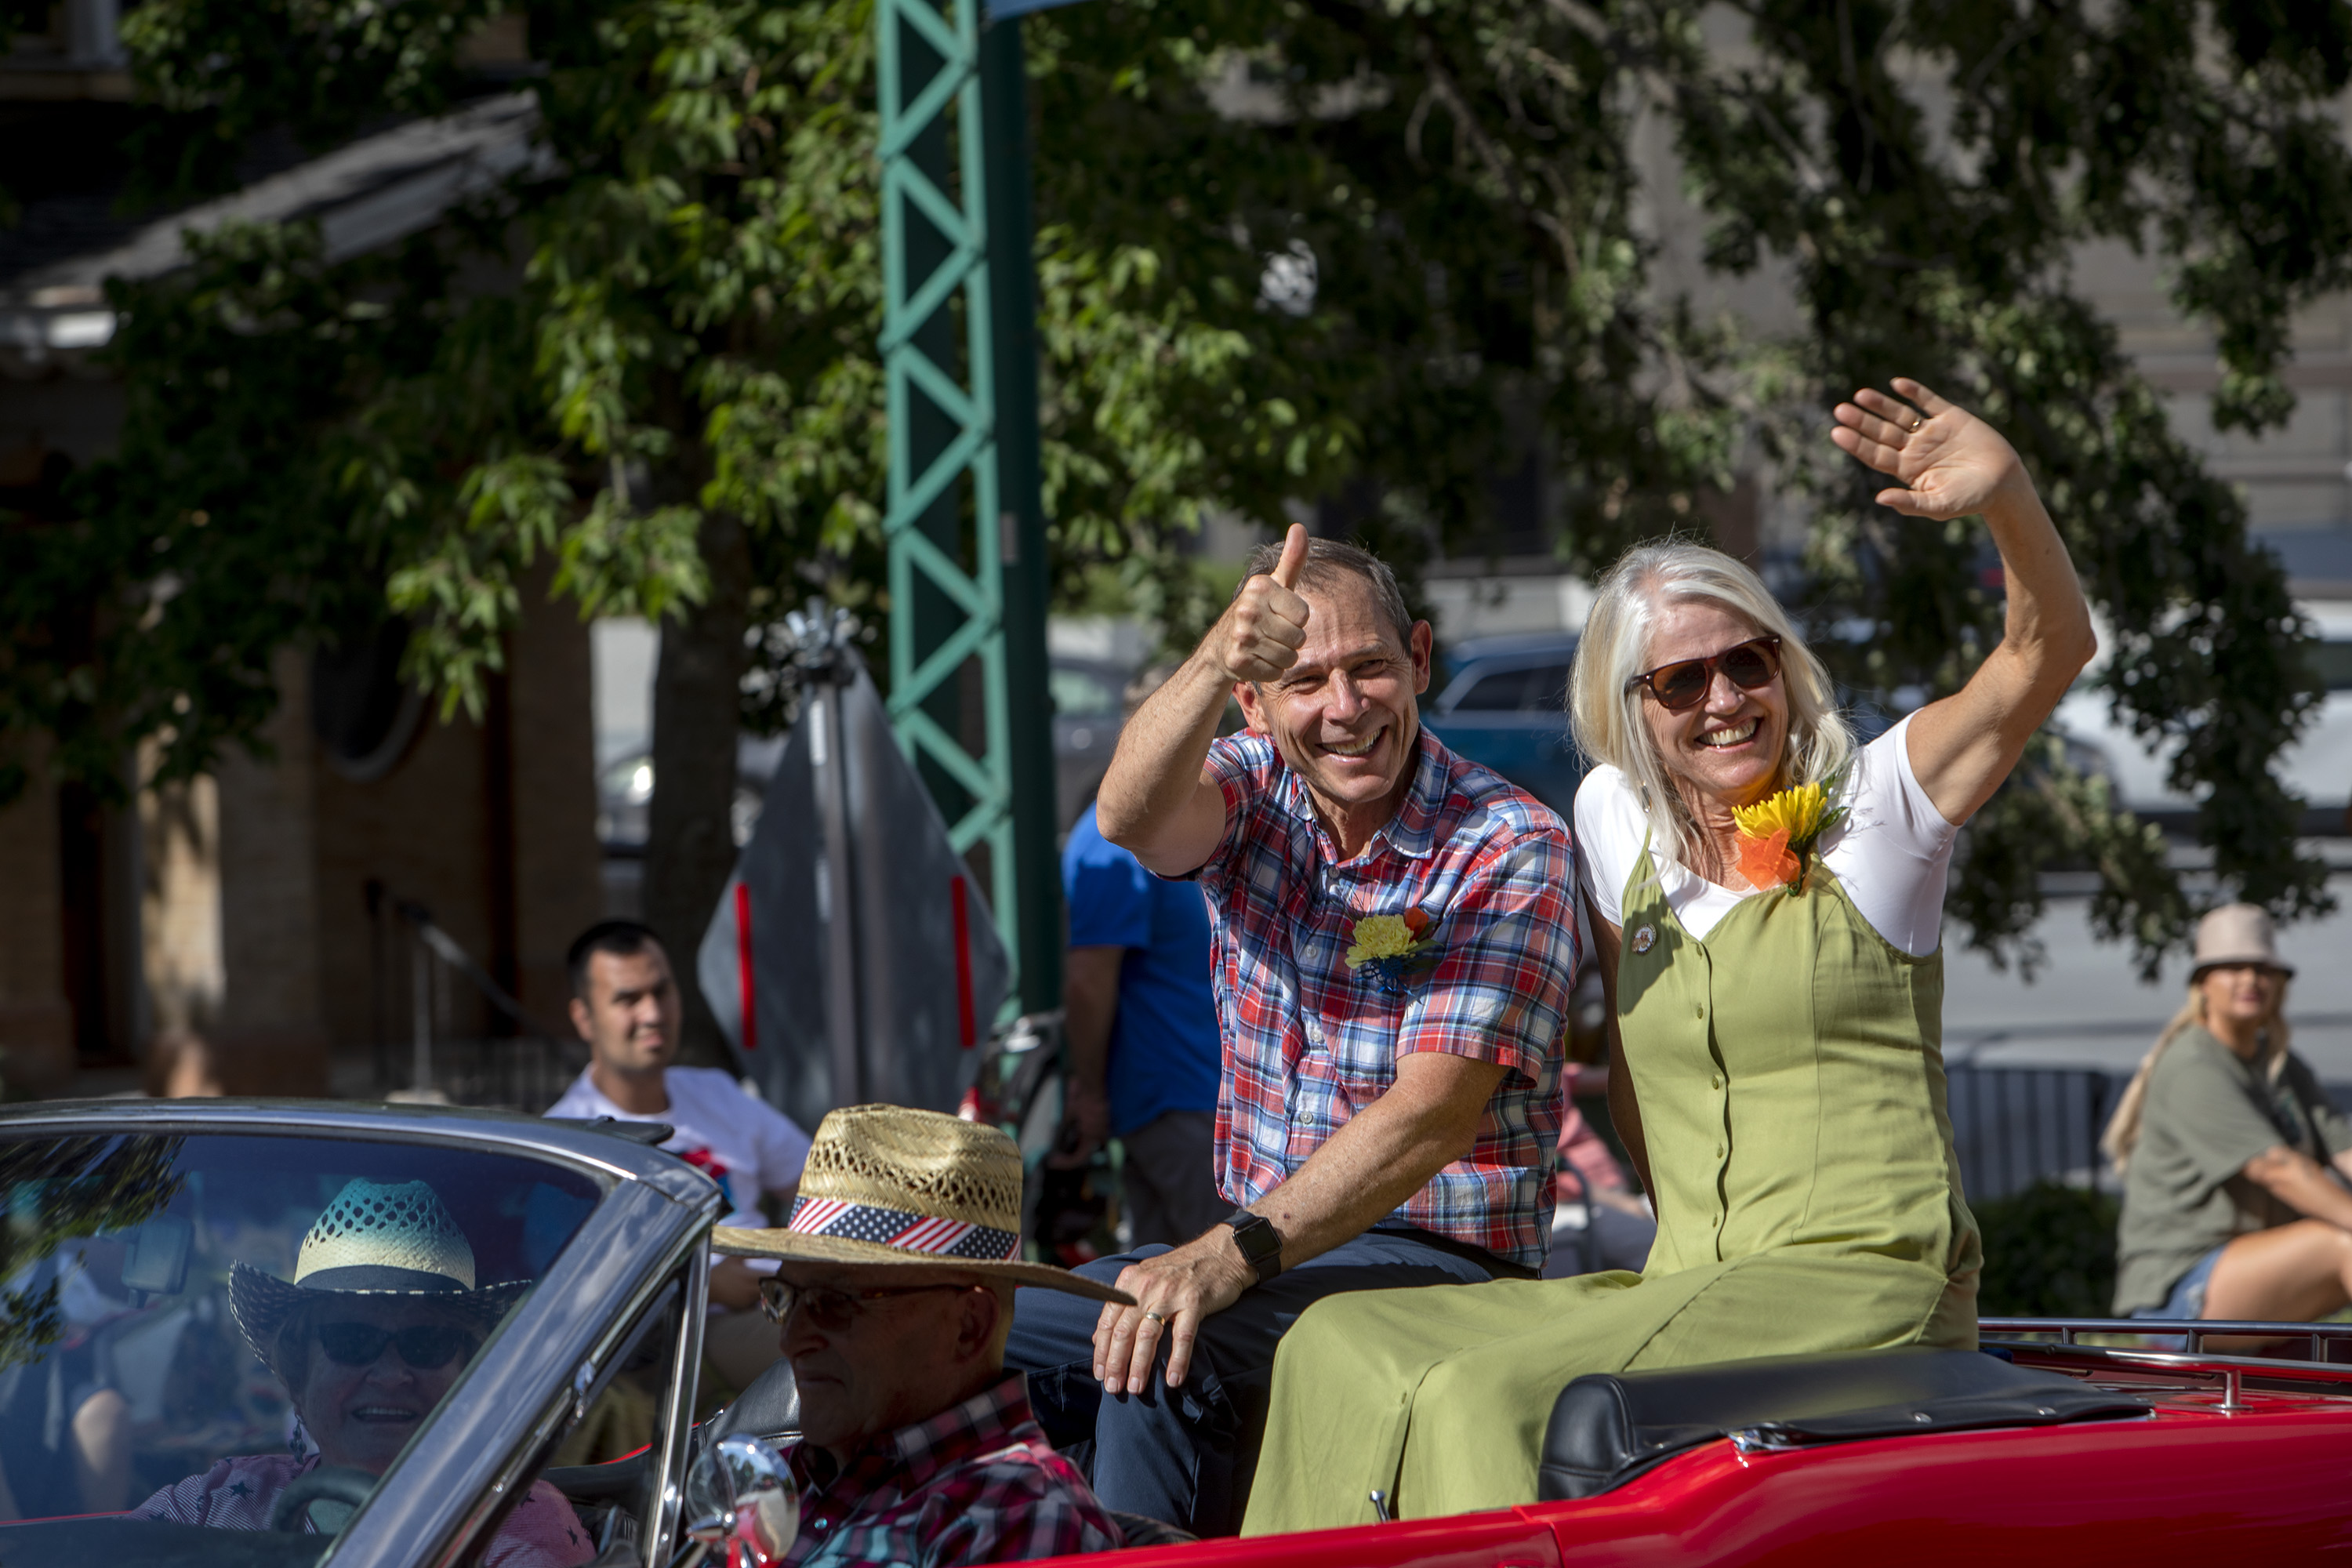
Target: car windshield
[(206, 1332)]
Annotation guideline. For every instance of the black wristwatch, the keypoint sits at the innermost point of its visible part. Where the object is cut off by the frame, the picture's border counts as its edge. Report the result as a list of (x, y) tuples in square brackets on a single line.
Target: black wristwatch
[(1261, 1245)]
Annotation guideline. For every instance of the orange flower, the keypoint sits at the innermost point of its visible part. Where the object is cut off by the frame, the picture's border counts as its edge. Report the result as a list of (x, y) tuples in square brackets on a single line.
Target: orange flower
[(1416, 921), (1766, 862)]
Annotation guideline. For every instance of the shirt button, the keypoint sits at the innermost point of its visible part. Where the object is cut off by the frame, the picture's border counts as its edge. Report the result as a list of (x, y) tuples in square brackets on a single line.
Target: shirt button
[(1699, 1010), (1718, 1151), (1717, 1082)]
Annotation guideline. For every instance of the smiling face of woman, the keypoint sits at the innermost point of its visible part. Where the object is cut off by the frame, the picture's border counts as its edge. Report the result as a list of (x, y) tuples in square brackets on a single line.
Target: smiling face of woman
[(1727, 750), (362, 1416)]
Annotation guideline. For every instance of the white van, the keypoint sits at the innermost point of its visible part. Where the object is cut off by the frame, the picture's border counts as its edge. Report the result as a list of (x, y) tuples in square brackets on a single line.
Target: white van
[(2317, 767)]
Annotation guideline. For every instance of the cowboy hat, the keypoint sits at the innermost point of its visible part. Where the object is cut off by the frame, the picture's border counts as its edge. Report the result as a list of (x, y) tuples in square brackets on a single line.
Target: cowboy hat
[(2235, 934), (374, 1239), (909, 1189)]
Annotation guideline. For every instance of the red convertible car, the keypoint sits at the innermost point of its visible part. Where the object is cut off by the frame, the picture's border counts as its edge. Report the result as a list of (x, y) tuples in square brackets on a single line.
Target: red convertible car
[(142, 1247), (2036, 1450)]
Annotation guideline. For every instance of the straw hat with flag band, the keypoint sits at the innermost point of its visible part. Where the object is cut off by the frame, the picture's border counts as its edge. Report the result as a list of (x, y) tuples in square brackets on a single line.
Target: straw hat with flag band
[(888, 1186), (375, 1239)]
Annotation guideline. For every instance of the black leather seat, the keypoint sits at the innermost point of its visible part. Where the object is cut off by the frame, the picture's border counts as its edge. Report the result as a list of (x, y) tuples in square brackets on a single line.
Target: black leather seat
[(770, 1408), (1607, 1428)]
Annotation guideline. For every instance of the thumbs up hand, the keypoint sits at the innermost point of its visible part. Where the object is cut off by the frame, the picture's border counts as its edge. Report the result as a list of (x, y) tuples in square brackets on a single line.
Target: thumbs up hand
[(1260, 633)]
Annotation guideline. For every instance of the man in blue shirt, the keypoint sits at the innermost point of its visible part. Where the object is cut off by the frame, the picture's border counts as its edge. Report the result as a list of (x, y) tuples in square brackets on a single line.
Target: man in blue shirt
[(1142, 1029)]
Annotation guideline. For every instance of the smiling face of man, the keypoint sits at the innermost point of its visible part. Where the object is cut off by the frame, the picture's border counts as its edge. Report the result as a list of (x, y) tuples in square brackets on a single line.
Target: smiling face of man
[(1346, 715), (632, 1011), (361, 1412)]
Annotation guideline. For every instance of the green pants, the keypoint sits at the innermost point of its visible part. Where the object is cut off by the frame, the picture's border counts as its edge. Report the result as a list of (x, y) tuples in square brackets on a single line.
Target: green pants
[(1439, 1398)]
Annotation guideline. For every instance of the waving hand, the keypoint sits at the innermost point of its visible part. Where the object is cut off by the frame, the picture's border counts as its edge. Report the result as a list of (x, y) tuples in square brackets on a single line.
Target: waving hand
[(1950, 462)]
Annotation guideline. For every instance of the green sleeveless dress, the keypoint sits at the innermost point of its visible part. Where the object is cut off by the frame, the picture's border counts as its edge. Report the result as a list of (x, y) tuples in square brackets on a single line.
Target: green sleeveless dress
[(1792, 1084)]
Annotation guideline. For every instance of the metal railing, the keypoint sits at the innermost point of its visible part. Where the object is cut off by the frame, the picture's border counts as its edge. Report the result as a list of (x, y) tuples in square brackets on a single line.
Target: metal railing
[(2016, 1126), (526, 1070)]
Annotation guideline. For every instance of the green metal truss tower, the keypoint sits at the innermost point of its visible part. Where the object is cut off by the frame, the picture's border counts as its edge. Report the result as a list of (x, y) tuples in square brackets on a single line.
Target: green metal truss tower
[(965, 527)]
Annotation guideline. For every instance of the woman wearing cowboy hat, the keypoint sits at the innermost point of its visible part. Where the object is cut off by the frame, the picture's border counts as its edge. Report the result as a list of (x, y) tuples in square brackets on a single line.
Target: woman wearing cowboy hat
[(380, 1319), (2226, 1143)]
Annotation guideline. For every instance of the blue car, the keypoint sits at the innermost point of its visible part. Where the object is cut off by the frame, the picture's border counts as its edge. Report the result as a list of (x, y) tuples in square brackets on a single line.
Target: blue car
[(1502, 701)]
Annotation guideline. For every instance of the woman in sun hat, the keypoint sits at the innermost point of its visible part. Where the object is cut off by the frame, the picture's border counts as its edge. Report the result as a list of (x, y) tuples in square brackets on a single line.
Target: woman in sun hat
[(893, 1296), (383, 1314), (2225, 1142), (1766, 902)]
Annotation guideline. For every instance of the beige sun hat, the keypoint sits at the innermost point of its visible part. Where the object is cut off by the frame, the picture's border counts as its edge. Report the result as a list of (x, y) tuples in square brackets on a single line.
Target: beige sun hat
[(374, 1239), (909, 1189), (2237, 933)]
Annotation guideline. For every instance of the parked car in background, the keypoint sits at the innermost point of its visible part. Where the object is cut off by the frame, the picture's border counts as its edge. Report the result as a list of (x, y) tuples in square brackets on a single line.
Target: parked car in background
[(1502, 701), (1086, 716), (2317, 767)]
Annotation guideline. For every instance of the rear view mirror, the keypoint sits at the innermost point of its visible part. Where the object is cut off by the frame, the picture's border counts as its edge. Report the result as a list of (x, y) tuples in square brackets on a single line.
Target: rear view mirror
[(157, 1263)]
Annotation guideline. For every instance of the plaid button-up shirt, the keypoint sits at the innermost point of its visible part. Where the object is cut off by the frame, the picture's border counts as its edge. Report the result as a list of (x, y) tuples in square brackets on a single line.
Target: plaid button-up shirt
[(976, 1483), (1308, 1042)]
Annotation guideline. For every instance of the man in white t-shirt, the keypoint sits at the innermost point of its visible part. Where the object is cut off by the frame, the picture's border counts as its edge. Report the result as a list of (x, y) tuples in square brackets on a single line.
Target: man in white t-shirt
[(626, 1006)]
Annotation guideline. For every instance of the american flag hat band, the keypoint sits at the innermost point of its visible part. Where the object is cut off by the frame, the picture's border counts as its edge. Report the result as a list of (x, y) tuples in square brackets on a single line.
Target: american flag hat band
[(905, 1232)]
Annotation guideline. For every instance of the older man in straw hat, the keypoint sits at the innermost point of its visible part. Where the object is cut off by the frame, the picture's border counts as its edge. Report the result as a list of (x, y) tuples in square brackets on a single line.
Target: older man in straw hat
[(894, 1293)]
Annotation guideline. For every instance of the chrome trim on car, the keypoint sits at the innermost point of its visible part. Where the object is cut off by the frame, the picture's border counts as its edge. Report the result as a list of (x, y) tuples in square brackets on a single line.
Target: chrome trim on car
[(574, 1145), (677, 1422)]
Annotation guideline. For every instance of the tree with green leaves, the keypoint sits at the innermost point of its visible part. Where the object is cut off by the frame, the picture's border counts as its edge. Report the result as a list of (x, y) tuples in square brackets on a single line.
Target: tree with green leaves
[(1286, 249), (59, 1190)]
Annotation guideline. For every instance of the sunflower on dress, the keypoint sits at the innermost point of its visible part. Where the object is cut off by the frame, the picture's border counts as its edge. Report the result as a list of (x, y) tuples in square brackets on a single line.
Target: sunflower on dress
[(1779, 832)]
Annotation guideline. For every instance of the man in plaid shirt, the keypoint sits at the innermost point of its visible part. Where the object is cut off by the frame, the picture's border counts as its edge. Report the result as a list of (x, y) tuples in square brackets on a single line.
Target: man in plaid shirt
[(976, 1483), (1390, 1093)]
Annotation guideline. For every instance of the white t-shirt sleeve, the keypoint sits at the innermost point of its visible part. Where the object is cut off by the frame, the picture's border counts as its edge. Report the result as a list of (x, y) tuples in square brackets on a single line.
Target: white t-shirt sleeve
[(1610, 827), (1894, 851), (783, 1147)]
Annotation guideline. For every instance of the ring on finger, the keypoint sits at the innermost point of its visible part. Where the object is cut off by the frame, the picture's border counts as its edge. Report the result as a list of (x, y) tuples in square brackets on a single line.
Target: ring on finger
[(1914, 425), (1155, 1317)]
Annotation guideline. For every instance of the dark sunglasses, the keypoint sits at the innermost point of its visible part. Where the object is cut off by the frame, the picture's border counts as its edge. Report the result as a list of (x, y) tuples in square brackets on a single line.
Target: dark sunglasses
[(831, 1310), (427, 1347), (1684, 684)]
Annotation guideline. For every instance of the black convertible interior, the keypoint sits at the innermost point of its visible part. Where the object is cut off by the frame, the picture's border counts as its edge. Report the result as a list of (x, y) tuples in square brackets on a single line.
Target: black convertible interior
[(1607, 1429)]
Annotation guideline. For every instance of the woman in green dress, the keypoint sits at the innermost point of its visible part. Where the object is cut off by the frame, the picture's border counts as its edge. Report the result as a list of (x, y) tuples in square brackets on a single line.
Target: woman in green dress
[(1776, 998)]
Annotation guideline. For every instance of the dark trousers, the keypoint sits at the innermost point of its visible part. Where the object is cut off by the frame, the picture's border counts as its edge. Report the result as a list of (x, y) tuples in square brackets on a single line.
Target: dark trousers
[(1186, 1455), (1169, 1184)]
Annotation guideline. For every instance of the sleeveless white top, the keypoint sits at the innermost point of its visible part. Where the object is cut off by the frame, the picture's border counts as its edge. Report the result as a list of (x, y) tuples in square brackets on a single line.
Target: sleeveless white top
[(1891, 853)]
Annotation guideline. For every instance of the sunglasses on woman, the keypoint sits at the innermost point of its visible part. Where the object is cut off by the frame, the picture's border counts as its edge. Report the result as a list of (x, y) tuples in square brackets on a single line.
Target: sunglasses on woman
[(426, 1347), (1684, 683), (831, 1310)]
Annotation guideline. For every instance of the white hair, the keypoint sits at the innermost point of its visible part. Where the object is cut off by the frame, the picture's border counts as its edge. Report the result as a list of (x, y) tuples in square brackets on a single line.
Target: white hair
[(1605, 707)]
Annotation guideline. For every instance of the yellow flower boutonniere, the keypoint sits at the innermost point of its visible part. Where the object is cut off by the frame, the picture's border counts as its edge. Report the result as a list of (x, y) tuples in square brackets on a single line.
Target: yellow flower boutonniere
[(1777, 832), (1385, 944)]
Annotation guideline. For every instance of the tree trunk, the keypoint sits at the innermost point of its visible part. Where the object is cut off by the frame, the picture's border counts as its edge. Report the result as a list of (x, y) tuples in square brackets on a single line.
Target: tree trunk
[(690, 844)]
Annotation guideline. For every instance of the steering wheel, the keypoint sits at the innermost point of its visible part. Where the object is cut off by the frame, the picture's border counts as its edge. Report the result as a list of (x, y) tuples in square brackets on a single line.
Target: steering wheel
[(329, 1483)]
